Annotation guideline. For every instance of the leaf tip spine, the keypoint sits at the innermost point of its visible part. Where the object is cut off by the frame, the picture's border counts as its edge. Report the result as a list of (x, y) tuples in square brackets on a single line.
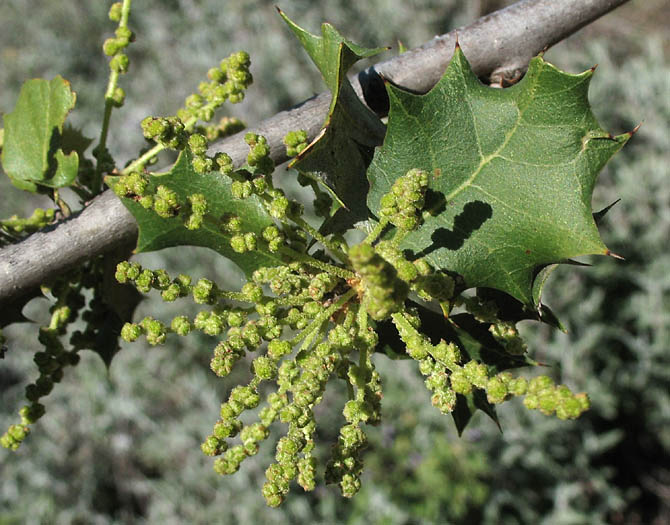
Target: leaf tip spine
[(610, 253)]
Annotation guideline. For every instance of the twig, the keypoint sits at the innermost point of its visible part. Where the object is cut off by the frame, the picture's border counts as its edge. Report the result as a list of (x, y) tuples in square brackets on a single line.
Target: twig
[(498, 46)]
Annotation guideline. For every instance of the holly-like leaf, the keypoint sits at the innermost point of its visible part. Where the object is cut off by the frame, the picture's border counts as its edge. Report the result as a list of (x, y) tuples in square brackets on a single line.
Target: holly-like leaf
[(340, 155), (156, 233), (512, 173), (33, 152)]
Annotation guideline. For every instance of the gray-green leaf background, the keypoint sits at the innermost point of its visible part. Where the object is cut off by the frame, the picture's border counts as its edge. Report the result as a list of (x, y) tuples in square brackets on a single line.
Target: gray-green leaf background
[(122, 446)]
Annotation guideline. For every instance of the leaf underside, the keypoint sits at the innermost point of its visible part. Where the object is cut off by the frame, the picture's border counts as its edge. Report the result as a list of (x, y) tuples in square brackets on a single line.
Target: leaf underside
[(512, 173)]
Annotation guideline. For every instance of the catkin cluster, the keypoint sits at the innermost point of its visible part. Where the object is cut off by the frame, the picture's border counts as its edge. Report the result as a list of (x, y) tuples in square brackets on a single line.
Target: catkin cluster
[(314, 318), (59, 347)]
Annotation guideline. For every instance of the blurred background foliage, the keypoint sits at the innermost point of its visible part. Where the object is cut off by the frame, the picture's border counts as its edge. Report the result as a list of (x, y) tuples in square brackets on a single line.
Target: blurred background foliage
[(122, 445)]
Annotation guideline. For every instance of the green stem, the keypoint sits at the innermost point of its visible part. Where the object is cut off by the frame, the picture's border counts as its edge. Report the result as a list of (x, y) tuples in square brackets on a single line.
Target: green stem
[(233, 296), (282, 301), (376, 231), (325, 242), (96, 183), (53, 323), (310, 337), (315, 263), (109, 105), (362, 360), (321, 317), (139, 162), (446, 307), (398, 236), (403, 325), (189, 125), (351, 395), (362, 320), (294, 300), (349, 319), (302, 223), (363, 353)]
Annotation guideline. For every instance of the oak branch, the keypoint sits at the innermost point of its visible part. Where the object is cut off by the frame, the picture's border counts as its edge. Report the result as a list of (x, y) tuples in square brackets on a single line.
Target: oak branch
[(498, 46)]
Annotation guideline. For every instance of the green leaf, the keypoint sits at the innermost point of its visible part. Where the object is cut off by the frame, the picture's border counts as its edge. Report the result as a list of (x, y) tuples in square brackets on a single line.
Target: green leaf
[(156, 233), (331, 52), (340, 155), (512, 170), (66, 170), (463, 412), (32, 153)]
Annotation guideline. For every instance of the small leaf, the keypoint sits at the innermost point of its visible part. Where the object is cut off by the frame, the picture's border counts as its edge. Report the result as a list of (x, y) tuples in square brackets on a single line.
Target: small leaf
[(340, 155), (540, 280), (480, 401), (331, 52), (66, 170), (32, 153), (513, 172), (156, 233)]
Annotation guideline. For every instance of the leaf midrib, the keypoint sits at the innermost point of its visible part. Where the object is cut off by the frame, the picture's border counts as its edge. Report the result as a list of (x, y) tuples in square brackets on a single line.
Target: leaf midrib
[(486, 159)]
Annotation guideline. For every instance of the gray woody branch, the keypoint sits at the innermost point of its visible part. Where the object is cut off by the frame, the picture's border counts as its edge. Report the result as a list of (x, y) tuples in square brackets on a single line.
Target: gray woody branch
[(498, 46)]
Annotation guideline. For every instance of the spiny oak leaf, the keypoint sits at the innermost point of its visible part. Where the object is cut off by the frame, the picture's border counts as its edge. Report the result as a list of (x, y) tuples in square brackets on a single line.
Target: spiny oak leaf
[(156, 233), (512, 173), (340, 155)]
